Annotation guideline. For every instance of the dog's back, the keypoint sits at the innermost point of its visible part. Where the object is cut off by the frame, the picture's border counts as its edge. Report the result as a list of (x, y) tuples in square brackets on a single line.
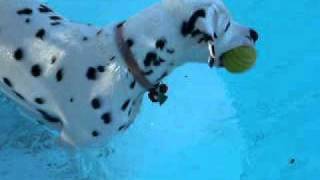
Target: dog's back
[(63, 72)]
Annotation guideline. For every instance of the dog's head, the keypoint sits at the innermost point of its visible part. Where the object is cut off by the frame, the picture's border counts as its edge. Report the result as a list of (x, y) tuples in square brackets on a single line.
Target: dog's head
[(206, 26)]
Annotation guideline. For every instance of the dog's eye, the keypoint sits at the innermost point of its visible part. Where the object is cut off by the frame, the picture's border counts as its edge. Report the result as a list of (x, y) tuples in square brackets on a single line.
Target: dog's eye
[(227, 26)]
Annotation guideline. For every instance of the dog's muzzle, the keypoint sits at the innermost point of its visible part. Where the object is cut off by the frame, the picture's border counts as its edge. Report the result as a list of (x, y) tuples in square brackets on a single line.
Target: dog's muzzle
[(218, 61)]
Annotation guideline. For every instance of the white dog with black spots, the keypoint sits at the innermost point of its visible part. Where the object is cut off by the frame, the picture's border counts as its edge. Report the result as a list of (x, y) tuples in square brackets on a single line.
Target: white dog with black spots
[(73, 77)]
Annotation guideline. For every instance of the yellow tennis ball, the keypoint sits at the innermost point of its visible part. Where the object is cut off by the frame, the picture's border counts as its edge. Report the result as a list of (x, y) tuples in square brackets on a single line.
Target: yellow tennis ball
[(239, 59)]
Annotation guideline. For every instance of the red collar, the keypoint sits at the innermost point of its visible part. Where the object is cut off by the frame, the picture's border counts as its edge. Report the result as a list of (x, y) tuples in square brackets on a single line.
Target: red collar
[(128, 57)]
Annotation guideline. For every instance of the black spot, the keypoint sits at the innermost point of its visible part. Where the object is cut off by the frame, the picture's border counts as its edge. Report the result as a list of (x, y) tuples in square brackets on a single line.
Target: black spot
[(39, 100), (120, 24), (55, 18), (101, 68), (200, 40), (195, 33), (71, 100), (95, 103), (40, 34), (227, 27), (215, 35), (112, 58), (44, 9), (161, 60), (130, 111), (36, 70), (133, 84), (91, 73), (292, 161), (95, 133), (150, 57), (148, 73), (18, 54), (7, 82), (27, 21), (161, 43), (156, 63), (59, 75), (85, 38), (55, 23), (170, 51), (207, 37), (130, 43), (253, 35), (99, 32), (125, 105), (163, 88), (188, 27), (163, 76), (123, 127), (49, 117), (53, 59), (19, 95), (26, 11), (106, 117)]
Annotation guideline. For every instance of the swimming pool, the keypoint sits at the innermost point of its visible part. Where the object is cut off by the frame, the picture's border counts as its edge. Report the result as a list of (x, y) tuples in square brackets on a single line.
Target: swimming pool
[(261, 125)]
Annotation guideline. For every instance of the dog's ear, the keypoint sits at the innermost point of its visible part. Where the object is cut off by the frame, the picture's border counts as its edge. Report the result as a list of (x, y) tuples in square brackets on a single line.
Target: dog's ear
[(208, 24), (204, 15)]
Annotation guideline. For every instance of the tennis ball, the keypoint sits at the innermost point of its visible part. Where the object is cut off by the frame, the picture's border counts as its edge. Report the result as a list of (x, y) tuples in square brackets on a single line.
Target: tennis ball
[(240, 59)]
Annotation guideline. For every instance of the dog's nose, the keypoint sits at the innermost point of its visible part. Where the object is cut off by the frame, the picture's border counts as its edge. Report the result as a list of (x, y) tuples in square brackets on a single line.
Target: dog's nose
[(254, 35)]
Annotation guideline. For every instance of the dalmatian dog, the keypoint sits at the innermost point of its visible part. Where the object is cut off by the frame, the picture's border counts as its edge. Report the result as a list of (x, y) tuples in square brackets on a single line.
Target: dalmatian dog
[(73, 76)]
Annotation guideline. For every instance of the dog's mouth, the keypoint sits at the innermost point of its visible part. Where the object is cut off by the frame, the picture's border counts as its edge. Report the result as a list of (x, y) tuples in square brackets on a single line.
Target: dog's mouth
[(236, 60), (214, 60)]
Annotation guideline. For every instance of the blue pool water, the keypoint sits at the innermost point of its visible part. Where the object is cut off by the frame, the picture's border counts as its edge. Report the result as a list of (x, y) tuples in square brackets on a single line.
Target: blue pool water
[(262, 125)]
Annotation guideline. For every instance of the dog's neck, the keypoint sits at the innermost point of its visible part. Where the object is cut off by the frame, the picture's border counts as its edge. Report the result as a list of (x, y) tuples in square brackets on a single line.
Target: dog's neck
[(151, 41)]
